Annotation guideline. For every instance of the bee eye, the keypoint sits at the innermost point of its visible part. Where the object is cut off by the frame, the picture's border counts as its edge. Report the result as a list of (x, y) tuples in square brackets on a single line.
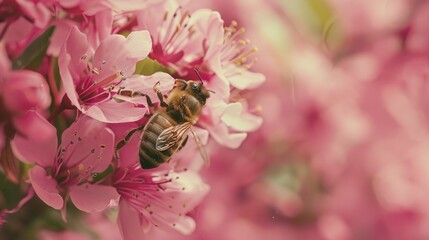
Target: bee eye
[(194, 86)]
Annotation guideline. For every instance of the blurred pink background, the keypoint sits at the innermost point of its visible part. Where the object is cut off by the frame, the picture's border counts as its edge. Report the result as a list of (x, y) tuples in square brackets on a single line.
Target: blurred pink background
[(343, 150)]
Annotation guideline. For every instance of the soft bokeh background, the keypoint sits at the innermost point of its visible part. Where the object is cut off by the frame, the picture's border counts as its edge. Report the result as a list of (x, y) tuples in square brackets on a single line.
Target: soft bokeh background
[(343, 150)]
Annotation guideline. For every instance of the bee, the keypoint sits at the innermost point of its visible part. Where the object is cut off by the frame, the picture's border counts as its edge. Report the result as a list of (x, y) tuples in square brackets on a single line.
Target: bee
[(167, 129)]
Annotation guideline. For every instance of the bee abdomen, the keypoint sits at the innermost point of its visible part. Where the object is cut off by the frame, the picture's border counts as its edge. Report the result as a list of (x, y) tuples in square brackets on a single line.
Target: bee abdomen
[(150, 157)]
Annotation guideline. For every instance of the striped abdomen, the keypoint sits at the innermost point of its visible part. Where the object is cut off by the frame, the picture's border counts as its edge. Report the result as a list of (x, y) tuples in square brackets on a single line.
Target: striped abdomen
[(149, 156)]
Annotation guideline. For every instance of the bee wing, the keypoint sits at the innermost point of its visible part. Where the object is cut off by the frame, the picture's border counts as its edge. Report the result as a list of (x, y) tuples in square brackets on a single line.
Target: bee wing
[(200, 146), (171, 136)]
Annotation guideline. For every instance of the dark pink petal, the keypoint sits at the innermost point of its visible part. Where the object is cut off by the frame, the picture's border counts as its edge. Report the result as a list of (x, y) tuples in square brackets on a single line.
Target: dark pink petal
[(116, 112), (36, 141), (129, 222), (45, 187), (119, 54), (25, 90), (89, 144), (92, 198)]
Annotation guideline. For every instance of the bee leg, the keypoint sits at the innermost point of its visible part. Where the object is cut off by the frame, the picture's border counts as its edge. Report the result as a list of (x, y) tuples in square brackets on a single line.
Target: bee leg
[(126, 139), (160, 96)]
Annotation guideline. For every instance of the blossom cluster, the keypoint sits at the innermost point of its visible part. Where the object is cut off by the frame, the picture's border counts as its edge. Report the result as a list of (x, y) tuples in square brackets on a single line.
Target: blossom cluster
[(78, 77)]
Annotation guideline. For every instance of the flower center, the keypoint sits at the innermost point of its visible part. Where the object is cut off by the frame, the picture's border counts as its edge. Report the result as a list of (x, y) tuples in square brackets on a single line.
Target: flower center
[(91, 92), (71, 166), (172, 37)]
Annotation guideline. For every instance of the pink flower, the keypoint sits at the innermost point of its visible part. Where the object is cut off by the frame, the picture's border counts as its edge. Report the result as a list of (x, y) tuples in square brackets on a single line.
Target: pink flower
[(159, 198), (228, 123), (67, 171), (228, 57), (90, 77), (178, 36)]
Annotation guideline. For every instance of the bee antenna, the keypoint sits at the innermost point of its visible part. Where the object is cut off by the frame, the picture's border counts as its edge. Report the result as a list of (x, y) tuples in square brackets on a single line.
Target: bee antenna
[(211, 91), (199, 76)]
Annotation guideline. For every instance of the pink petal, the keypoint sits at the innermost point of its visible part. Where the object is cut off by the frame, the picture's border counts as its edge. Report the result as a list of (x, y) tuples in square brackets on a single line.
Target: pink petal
[(235, 118), (221, 86), (145, 84), (119, 54), (5, 64), (26, 90), (89, 143), (92, 8), (104, 22), (190, 187), (67, 79), (241, 78), (76, 46), (132, 5), (129, 154), (210, 25), (116, 112), (58, 38), (69, 3), (19, 30), (39, 144), (129, 222), (220, 134), (182, 195), (151, 20), (70, 62), (92, 198), (45, 187)]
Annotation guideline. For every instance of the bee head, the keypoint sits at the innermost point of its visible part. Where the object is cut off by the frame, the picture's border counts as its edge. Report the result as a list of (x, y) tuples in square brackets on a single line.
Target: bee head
[(198, 90)]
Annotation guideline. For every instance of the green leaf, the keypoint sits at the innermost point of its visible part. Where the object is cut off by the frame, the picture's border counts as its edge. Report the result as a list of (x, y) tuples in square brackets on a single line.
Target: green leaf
[(32, 57), (148, 67)]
